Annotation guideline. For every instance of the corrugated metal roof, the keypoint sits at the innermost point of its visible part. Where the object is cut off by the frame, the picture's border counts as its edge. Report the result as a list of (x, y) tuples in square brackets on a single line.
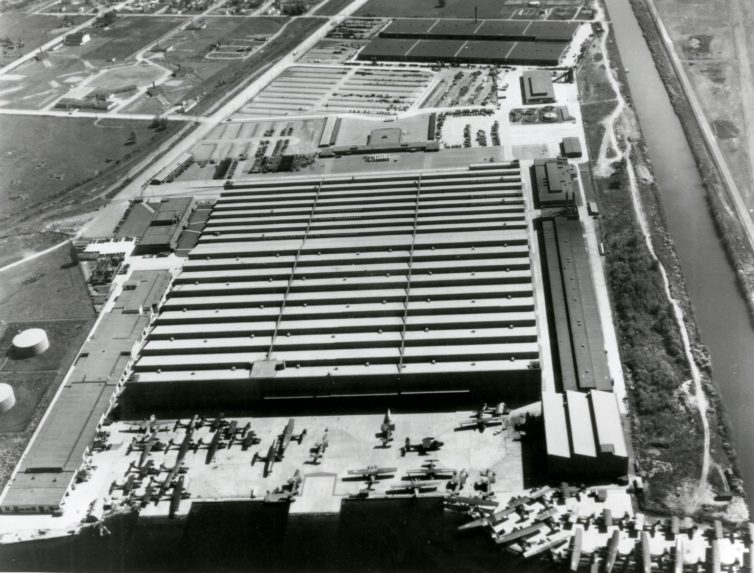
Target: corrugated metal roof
[(78, 408), (144, 290), (580, 423), (57, 450), (42, 490), (610, 437), (568, 377), (586, 325), (556, 426)]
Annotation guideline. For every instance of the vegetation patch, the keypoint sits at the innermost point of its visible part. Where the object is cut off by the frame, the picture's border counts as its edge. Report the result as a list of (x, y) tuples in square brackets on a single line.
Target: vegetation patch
[(666, 429)]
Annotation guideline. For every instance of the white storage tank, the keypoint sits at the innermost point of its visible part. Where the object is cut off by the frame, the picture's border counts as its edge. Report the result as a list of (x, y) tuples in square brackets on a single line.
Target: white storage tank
[(30, 342), (7, 398)]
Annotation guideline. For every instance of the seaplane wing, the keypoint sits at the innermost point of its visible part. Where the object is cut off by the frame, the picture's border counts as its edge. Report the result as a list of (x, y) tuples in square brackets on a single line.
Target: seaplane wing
[(424, 487), (372, 471), (472, 502)]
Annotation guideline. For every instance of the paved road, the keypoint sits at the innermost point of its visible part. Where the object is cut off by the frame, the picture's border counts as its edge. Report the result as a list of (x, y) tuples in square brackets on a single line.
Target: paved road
[(215, 116), (97, 115)]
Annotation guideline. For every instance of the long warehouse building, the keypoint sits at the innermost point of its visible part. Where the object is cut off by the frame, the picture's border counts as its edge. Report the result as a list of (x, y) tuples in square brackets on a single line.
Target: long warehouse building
[(339, 286)]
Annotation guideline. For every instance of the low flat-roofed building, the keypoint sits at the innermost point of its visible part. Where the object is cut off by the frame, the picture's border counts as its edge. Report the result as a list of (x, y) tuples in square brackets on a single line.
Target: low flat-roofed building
[(578, 342), (556, 425), (536, 87), (584, 435), (169, 220), (571, 147), (385, 136), (144, 292), (552, 182), (136, 220), (52, 459)]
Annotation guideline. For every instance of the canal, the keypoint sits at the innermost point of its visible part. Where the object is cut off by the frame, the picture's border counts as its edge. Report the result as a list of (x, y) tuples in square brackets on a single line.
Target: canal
[(721, 312)]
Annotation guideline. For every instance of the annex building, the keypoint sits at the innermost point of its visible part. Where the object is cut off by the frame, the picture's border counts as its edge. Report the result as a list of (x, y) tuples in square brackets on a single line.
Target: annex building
[(352, 286), (512, 42)]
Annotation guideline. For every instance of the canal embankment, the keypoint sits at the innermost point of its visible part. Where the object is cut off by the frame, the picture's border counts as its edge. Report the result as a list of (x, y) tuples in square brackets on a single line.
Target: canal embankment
[(729, 216), (679, 429)]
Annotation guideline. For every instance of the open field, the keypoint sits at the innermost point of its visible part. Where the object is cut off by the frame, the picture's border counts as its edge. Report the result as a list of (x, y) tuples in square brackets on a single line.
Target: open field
[(68, 69), (332, 7), (33, 30), (364, 89), (89, 7), (44, 177), (206, 79), (124, 38), (181, 63), (48, 293), (714, 40)]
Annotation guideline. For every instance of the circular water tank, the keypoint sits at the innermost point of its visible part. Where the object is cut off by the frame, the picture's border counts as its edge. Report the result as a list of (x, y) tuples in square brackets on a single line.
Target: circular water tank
[(7, 398), (30, 342)]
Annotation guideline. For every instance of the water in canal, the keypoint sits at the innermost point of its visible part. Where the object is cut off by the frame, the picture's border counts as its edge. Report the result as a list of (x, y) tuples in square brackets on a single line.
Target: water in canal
[(721, 312)]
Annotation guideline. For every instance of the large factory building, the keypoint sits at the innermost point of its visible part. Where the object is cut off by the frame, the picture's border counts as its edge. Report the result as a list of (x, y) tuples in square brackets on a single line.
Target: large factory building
[(411, 283), (522, 42)]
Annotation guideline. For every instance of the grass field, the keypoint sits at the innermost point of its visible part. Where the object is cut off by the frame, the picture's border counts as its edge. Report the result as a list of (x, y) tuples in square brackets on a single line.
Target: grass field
[(125, 37), (44, 162), (48, 293), (41, 82), (704, 35), (136, 74), (33, 30), (209, 79), (333, 7)]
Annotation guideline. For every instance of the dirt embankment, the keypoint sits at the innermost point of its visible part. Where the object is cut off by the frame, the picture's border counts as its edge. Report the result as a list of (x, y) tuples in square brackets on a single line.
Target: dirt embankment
[(728, 227), (665, 432), (726, 221)]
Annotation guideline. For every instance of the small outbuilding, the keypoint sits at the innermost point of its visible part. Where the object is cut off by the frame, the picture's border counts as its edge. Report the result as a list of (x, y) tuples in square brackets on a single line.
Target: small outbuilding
[(536, 87)]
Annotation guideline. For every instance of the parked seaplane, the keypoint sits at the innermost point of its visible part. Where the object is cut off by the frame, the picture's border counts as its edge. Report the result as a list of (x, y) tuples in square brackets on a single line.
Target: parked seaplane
[(146, 445), (249, 439), (457, 481), (286, 437), (212, 446), (484, 418), (472, 505), (318, 451), (179, 493), (372, 474), (386, 430), (128, 485), (430, 470), (422, 448), (268, 460), (191, 425), (413, 487), (144, 470)]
